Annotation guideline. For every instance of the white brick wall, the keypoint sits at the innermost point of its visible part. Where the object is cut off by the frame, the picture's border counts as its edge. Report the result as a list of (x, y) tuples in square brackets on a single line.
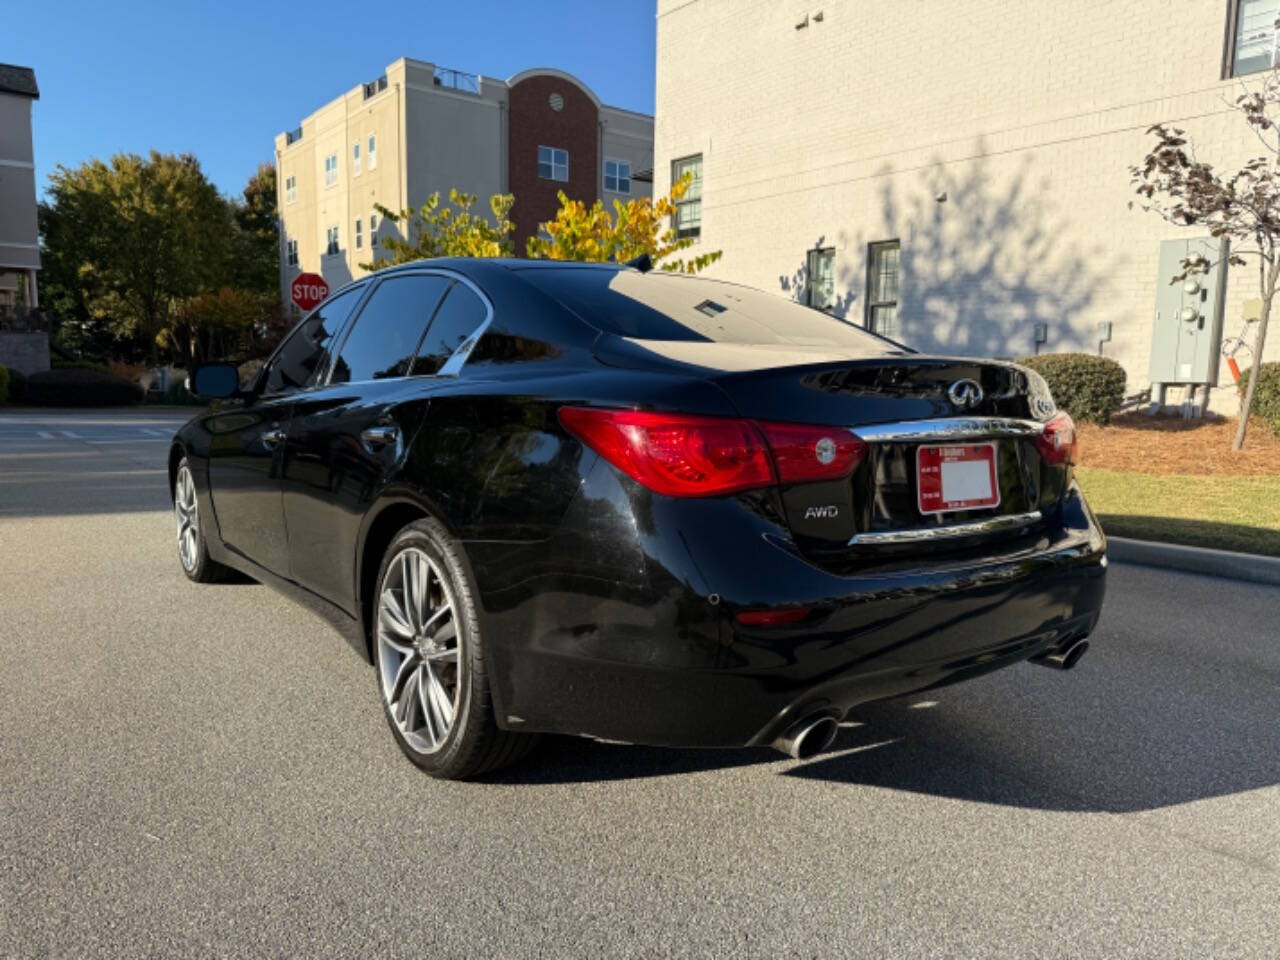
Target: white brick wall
[(1027, 114)]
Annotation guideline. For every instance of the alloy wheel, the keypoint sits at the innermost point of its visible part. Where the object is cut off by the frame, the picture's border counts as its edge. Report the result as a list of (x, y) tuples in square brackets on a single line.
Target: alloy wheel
[(188, 519), (419, 659)]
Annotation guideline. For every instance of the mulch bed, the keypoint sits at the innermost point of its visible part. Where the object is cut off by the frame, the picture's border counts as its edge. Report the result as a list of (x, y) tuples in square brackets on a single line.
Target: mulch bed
[(1137, 443)]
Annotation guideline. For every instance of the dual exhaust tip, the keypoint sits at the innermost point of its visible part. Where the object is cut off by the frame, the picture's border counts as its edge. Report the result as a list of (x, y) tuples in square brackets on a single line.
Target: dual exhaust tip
[(812, 735), (808, 737), (1065, 657)]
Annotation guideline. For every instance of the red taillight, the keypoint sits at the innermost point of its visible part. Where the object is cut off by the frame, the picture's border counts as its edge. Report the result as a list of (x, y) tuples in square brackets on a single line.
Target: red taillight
[(1057, 442), (804, 453), (681, 455), (777, 617), (675, 454)]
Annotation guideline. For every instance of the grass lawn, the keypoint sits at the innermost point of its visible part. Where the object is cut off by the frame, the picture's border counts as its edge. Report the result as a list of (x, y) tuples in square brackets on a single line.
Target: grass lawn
[(1226, 512)]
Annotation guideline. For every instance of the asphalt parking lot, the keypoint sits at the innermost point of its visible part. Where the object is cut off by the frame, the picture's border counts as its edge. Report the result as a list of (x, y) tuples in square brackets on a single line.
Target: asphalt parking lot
[(205, 771)]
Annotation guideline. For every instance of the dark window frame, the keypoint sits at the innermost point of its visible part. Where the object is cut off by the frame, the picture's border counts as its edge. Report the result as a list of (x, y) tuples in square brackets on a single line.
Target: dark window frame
[(694, 233), (871, 304), (809, 257), (1230, 37)]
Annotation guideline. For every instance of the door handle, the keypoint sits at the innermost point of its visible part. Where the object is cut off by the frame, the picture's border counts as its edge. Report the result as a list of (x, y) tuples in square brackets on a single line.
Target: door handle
[(273, 436), (380, 435)]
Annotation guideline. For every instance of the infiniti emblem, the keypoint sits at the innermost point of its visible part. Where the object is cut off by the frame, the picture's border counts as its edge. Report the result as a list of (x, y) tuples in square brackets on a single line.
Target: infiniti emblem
[(825, 450), (965, 393)]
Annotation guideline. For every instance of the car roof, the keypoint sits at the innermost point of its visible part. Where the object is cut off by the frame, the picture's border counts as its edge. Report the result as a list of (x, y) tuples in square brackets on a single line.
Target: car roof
[(464, 264)]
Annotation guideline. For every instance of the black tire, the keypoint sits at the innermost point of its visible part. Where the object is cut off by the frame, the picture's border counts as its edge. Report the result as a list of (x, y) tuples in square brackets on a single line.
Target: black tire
[(193, 556), (473, 744)]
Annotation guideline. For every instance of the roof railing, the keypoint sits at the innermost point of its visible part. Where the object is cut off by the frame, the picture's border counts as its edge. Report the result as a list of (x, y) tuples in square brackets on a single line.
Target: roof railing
[(457, 80), (293, 136), (375, 87)]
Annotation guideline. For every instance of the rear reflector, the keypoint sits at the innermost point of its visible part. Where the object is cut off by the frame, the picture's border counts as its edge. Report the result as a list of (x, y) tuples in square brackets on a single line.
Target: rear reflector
[(804, 453), (1057, 443), (675, 454), (780, 617)]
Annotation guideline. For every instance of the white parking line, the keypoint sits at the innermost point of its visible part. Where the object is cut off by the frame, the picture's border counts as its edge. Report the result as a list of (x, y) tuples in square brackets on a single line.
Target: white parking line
[(69, 435), (154, 433), (44, 434)]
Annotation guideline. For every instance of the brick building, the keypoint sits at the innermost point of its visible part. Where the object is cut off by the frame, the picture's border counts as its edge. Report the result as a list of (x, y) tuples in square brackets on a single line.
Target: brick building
[(420, 128), (957, 175)]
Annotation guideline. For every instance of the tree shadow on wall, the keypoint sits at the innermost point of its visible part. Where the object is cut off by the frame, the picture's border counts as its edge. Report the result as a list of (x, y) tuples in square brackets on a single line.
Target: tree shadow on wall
[(978, 269)]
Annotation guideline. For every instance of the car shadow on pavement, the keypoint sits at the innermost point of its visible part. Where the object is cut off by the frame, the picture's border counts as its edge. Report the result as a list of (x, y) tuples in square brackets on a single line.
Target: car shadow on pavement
[(1035, 752)]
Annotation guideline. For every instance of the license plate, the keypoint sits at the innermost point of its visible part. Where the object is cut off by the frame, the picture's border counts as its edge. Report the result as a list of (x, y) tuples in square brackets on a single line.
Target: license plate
[(957, 476)]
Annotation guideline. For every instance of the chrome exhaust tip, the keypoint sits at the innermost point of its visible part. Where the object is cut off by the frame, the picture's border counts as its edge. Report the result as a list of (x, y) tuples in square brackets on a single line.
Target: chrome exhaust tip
[(1064, 658), (807, 737)]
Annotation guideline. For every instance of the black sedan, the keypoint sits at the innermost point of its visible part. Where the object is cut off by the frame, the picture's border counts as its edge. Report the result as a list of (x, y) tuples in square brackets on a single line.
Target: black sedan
[(636, 506)]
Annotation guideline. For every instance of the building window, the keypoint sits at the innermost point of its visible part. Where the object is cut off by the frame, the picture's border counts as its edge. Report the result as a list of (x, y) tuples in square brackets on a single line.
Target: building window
[(290, 189), (617, 176), (373, 152), (1251, 37), (331, 235), (820, 270), (331, 170), (359, 235), (373, 230), (689, 207), (553, 164), (882, 288), (355, 159), (291, 253)]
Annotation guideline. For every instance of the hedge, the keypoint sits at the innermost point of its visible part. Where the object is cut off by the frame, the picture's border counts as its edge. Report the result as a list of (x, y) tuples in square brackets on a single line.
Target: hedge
[(1089, 388), (62, 363), (1266, 399), (4, 386), (78, 387), (17, 386)]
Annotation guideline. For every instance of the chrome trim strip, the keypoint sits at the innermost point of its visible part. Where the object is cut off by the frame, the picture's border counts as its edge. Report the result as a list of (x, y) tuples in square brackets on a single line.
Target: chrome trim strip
[(951, 531), (948, 428)]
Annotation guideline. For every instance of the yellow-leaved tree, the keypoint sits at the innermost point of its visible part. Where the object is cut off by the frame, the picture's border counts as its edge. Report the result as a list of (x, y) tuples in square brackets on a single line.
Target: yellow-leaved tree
[(635, 228), (447, 230)]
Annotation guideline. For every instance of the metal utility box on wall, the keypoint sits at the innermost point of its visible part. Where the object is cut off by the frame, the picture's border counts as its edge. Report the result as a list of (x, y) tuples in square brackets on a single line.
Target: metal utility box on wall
[(1188, 329)]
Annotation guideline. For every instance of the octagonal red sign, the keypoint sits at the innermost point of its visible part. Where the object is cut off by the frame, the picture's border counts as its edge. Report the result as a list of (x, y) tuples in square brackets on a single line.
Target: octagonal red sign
[(308, 290)]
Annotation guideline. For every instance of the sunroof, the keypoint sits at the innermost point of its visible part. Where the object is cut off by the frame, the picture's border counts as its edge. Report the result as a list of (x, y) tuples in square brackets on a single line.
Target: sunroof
[(710, 308)]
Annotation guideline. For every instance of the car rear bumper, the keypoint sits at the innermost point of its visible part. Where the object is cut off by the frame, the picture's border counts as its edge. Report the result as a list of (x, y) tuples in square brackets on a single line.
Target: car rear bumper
[(639, 643)]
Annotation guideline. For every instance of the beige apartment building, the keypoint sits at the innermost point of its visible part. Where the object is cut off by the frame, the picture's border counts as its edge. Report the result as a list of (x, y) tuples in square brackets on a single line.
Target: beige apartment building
[(956, 175), (421, 128), (19, 235)]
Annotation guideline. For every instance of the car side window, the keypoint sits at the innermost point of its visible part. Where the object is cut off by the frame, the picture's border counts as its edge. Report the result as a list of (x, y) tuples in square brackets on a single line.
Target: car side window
[(385, 336), (300, 359), (458, 318)]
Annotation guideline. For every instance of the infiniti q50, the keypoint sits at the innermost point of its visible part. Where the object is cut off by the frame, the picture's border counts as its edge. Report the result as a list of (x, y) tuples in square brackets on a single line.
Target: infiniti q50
[(618, 503)]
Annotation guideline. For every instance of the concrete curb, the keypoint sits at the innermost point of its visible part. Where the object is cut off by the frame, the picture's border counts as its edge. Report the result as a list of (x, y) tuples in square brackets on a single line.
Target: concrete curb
[(1214, 563)]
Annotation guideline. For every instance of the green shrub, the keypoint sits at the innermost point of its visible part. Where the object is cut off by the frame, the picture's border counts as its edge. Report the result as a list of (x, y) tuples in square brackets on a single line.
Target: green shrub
[(1087, 387), (179, 396), (78, 387), (1266, 399), (62, 363), (17, 386), (4, 386)]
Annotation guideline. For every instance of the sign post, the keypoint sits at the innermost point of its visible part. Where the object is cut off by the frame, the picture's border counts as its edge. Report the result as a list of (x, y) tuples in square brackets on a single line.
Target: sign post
[(308, 291)]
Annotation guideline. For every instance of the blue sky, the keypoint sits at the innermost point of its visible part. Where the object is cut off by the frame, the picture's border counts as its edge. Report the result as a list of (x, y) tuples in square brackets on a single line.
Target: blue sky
[(221, 79)]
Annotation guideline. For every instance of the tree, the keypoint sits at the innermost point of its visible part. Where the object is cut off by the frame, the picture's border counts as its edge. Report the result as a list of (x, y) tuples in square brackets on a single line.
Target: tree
[(634, 228), (220, 323), (139, 236), (1243, 206), (451, 230), (256, 263)]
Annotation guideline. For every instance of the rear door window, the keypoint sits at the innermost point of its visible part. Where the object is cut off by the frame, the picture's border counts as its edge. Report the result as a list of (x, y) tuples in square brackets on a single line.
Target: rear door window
[(300, 360), (457, 319), (385, 337)]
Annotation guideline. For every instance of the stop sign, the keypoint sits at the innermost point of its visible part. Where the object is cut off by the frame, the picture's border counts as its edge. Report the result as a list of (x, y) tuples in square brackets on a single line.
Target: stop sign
[(309, 290)]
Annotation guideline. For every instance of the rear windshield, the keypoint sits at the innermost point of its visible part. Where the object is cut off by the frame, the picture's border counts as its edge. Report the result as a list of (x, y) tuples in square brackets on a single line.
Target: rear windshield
[(665, 306)]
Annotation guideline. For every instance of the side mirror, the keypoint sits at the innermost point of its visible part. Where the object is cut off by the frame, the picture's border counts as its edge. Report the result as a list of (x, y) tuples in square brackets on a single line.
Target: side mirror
[(212, 381)]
